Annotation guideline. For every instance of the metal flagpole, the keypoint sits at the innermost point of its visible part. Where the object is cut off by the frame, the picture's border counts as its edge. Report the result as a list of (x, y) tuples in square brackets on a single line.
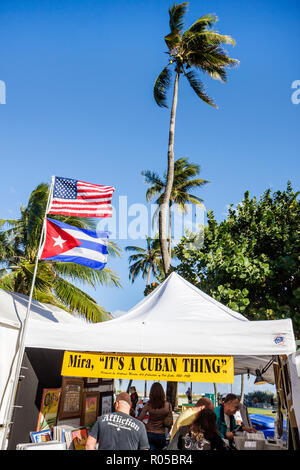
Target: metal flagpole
[(10, 407)]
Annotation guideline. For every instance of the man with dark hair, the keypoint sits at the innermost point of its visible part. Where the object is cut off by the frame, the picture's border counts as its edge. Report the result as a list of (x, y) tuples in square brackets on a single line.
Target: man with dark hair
[(189, 415), (225, 417), (118, 430)]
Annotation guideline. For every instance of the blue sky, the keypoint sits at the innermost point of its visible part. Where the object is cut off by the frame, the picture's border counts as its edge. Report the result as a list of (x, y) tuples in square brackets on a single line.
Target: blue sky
[(79, 77)]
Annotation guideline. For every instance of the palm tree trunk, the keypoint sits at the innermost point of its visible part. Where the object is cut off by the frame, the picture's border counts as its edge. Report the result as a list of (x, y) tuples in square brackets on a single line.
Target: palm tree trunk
[(242, 388), (129, 385), (148, 276), (171, 394), (170, 231), (170, 178), (215, 393)]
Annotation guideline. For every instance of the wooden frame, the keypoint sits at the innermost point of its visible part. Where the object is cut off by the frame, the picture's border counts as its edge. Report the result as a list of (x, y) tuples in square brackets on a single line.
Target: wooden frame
[(79, 438), (71, 398), (49, 409), (91, 382), (107, 381), (103, 408), (90, 408)]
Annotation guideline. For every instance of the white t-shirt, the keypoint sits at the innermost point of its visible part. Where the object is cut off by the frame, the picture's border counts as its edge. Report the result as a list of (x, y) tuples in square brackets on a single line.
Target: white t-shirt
[(227, 421)]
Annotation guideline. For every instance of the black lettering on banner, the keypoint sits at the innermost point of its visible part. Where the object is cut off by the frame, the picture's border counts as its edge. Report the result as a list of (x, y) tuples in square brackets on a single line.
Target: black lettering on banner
[(121, 363), (71, 361), (216, 366), (132, 364), (143, 367), (207, 365), (185, 363)]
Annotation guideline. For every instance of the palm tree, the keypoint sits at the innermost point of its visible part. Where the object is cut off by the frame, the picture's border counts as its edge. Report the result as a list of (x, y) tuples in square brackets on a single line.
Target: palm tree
[(197, 49), (145, 261), (185, 180), (54, 281)]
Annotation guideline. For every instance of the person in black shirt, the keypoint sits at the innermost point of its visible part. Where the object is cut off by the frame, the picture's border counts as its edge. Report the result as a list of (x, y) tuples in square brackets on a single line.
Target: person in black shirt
[(118, 430)]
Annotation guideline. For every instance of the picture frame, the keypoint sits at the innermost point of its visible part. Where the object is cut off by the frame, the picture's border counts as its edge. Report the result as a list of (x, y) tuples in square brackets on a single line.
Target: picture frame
[(90, 408), (91, 382), (107, 381), (41, 436), (106, 403), (79, 437), (49, 409), (71, 397)]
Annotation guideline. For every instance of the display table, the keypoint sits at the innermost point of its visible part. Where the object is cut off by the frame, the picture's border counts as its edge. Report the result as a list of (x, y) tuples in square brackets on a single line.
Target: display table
[(256, 441)]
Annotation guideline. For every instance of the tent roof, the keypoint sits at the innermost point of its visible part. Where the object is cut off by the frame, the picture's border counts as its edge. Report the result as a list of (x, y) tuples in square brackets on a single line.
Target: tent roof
[(176, 318), (13, 308)]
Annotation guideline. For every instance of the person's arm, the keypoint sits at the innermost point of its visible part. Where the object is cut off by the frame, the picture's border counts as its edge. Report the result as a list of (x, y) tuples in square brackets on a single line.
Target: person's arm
[(93, 437), (143, 413), (91, 443)]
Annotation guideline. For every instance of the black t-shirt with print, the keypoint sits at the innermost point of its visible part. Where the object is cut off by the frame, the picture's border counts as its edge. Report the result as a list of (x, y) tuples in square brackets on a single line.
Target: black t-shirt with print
[(119, 431)]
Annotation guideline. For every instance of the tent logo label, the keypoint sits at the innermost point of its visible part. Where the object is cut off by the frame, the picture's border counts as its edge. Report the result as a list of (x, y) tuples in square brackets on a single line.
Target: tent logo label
[(279, 340)]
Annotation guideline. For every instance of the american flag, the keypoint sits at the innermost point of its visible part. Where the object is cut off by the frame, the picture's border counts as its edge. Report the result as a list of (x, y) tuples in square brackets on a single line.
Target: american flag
[(80, 199)]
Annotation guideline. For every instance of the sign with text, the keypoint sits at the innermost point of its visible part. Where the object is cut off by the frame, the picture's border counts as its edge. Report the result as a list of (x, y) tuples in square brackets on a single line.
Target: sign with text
[(217, 369)]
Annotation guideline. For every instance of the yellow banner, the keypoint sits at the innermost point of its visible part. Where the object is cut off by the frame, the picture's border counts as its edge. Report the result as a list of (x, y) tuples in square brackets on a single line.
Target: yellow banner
[(217, 369)]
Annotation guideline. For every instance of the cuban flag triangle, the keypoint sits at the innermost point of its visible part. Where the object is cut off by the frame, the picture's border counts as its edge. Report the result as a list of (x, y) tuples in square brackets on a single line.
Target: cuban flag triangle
[(67, 243)]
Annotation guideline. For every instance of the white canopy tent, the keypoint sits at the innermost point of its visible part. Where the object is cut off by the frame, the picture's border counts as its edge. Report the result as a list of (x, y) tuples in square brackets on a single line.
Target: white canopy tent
[(176, 318)]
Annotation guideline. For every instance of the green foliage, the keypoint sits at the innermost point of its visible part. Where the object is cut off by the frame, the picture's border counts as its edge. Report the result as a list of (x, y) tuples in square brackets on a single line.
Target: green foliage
[(54, 281), (145, 261), (260, 396), (250, 261), (199, 48)]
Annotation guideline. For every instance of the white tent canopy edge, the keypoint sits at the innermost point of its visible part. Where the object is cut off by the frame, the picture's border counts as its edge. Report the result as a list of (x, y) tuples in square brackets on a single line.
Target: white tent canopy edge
[(176, 318)]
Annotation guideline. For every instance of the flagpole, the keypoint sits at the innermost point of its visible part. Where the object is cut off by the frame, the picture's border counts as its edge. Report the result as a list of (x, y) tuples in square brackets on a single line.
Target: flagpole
[(24, 328)]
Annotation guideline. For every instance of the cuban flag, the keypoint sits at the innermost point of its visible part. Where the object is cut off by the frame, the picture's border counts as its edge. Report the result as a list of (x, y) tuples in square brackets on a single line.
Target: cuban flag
[(67, 243)]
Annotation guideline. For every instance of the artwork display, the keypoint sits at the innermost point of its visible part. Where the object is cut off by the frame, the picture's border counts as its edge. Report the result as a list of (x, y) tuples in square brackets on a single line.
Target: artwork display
[(79, 437), (90, 408), (49, 408), (71, 398), (91, 382), (106, 403), (41, 436)]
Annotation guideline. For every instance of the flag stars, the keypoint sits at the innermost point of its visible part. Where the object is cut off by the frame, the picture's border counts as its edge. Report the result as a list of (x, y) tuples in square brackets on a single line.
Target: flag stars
[(59, 241)]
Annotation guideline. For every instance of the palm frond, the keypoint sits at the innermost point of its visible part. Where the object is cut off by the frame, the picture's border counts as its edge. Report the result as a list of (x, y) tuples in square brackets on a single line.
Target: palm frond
[(204, 22), (161, 87), (79, 302), (176, 15), (199, 88)]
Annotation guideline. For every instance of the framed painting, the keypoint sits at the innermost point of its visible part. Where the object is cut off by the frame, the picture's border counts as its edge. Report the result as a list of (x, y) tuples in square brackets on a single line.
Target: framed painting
[(91, 382), (41, 436), (106, 403), (49, 408), (90, 408), (71, 398), (79, 437)]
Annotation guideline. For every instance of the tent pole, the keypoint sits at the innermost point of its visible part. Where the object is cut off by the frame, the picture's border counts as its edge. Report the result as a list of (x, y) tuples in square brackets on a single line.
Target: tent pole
[(24, 328)]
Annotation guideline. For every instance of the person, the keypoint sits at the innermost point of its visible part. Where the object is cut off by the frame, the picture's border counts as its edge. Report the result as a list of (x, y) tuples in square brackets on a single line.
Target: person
[(189, 395), (190, 414), (157, 408), (225, 418), (134, 396), (242, 416), (201, 434), (140, 405), (118, 430)]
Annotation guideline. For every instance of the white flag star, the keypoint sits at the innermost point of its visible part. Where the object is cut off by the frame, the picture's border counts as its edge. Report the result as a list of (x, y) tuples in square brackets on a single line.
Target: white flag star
[(59, 241)]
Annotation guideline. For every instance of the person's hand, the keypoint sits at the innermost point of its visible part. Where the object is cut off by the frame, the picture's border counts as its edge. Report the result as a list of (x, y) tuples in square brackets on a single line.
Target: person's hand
[(229, 436), (245, 428)]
